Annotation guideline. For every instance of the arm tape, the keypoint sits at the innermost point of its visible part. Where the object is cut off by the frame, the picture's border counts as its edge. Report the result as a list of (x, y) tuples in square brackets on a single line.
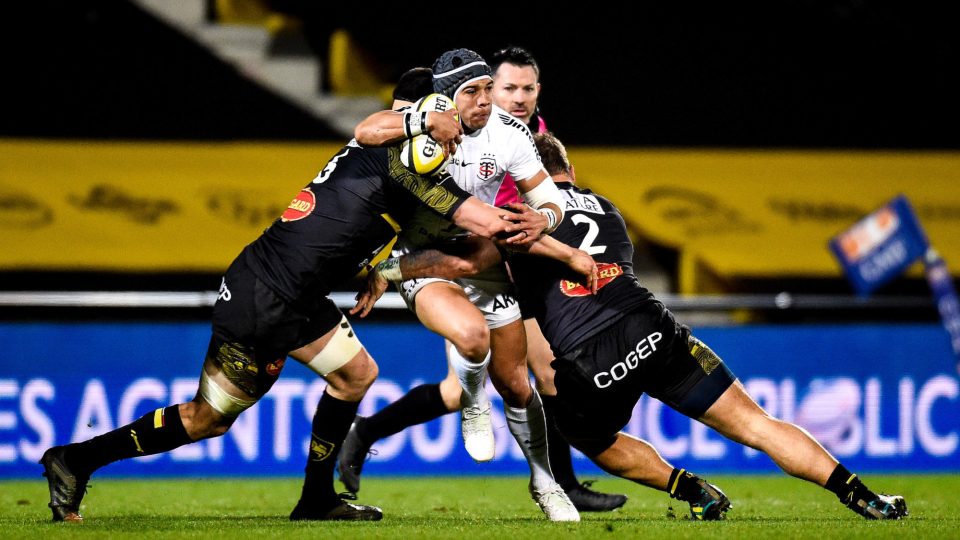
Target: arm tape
[(551, 218), (389, 269), (414, 123), (546, 192)]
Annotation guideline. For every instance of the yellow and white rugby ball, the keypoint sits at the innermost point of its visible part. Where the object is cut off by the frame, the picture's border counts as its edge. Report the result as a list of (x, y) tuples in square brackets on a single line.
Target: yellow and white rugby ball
[(422, 154)]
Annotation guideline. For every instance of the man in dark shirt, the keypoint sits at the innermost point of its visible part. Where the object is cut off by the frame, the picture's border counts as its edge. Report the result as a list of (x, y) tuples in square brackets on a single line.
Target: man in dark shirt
[(616, 344), (273, 304)]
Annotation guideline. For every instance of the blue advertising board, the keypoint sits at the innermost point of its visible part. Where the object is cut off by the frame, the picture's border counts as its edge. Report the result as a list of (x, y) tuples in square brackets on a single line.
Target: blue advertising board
[(881, 397), (881, 246)]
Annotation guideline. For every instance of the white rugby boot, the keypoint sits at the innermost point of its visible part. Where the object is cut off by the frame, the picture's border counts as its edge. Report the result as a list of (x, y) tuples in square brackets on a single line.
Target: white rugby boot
[(475, 423), (555, 503), (477, 428)]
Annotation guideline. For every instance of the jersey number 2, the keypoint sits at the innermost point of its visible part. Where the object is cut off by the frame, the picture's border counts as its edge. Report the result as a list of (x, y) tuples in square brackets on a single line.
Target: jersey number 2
[(592, 231)]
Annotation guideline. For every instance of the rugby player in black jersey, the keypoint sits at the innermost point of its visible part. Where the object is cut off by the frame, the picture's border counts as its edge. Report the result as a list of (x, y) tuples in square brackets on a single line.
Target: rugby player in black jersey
[(273, 304), (616, 344)]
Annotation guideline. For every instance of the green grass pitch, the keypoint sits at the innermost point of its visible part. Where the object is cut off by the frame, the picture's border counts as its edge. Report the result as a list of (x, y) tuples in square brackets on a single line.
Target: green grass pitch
[(471, 508)]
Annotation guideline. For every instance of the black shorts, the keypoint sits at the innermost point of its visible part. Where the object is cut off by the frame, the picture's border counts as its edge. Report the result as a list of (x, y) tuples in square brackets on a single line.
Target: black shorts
[(599, 383), (254, 330)]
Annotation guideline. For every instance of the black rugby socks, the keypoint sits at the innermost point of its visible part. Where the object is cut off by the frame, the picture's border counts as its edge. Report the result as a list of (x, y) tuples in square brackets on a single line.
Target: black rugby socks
[(683, 486), (848, 487), (331, 422), (421, 404), (153, 433)]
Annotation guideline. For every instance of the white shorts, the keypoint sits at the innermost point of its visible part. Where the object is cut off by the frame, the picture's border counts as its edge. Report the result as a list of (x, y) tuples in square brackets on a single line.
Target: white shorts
[(490, 291)]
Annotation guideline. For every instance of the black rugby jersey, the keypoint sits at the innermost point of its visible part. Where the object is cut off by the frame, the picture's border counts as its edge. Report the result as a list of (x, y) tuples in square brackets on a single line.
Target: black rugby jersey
[(550, 291), (337, 223)]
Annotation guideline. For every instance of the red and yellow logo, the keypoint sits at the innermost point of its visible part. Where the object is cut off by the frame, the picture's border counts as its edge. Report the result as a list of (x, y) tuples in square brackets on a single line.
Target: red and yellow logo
[(301, 206), (607, 273), (273, 368)]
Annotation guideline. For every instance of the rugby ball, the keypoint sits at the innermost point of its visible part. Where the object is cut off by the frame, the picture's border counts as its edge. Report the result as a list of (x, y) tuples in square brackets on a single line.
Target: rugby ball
[(422, 154)]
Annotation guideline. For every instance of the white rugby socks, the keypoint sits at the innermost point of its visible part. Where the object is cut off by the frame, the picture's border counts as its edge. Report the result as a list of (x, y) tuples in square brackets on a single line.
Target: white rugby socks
[(471, 376), (529, 428)]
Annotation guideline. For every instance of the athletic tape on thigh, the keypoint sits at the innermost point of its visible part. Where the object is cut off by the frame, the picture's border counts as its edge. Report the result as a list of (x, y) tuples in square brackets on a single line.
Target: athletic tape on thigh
[(341, 348), (220, 400)]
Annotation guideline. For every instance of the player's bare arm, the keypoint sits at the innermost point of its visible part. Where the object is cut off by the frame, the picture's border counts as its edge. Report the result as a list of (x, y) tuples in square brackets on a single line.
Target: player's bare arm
[(523, 224), (463, 258), (384, 128), (460, 258)]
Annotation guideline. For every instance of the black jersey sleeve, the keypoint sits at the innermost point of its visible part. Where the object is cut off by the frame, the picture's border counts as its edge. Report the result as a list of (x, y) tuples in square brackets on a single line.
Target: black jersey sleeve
[(441, 194)]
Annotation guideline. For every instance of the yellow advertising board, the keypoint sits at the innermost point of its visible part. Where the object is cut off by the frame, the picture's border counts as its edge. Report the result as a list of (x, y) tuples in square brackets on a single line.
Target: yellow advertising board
[(143, 206), (146, 206), (767, 214)]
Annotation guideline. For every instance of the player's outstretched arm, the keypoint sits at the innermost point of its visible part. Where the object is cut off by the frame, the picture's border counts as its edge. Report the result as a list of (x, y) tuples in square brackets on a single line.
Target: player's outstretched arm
[(462, 258), (384, 128), (521, 226)]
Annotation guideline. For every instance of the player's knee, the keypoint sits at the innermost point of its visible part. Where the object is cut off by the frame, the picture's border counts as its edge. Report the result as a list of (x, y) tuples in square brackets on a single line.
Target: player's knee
[(367, 375), (352, 381), (202, 421), (213, 409), (472, 341)]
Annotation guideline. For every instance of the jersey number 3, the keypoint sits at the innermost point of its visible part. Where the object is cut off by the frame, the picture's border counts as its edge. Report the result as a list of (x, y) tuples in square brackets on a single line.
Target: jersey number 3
[(325, 173), (592, 231)]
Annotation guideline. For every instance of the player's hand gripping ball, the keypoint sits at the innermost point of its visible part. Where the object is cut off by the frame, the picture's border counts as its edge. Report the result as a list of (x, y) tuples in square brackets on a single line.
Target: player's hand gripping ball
[(422, 154)]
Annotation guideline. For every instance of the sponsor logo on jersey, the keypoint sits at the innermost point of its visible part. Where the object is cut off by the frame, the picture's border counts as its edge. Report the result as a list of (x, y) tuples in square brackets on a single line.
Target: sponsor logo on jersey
[(503, 301), (644, 348), (224, 293), (301, 206), (581, 202), (487, 167), (607, 273), (273, 368)]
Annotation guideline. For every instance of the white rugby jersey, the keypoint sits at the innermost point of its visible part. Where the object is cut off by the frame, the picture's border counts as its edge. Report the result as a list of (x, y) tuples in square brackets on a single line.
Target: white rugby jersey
[(504, 146)]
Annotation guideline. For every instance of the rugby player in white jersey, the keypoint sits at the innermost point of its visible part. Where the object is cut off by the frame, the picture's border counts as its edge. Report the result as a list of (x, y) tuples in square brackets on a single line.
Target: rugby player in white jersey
[(516, 90), (479, 316)]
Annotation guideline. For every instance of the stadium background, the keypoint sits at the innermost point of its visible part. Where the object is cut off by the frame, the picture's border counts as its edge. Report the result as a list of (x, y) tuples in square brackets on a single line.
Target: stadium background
[(737, 141)]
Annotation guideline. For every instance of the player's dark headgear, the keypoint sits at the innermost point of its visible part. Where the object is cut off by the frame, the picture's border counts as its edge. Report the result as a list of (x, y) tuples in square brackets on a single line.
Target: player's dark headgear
[(414, 84), (456, 69)]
